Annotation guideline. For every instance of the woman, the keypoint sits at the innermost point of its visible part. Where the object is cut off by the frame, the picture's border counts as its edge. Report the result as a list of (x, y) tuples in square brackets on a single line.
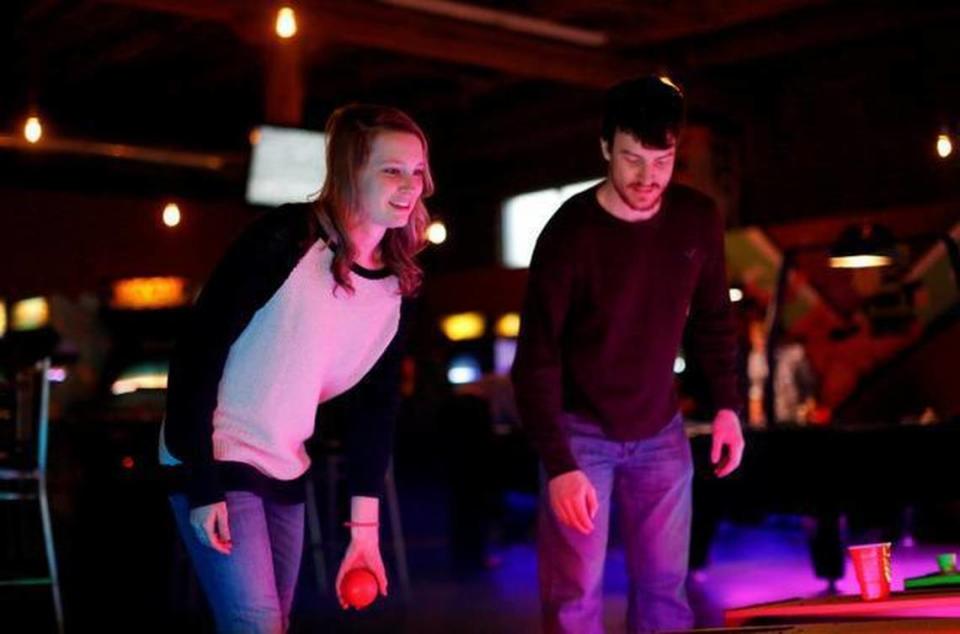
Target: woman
[(306, 305)]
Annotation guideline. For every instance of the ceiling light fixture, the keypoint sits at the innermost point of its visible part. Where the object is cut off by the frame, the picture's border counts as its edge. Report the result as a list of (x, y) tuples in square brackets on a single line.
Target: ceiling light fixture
[(863, 246)]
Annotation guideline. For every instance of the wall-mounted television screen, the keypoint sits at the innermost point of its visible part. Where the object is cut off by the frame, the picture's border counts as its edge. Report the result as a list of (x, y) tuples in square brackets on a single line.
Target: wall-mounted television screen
[(523, 217), (287, 165)]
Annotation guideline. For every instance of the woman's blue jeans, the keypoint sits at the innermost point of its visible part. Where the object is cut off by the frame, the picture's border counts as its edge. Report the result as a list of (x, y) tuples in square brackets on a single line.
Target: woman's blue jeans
[(251, 589)]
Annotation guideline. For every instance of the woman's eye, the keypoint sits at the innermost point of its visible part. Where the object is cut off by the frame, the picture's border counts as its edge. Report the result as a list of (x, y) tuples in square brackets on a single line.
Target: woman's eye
[(393, 171)]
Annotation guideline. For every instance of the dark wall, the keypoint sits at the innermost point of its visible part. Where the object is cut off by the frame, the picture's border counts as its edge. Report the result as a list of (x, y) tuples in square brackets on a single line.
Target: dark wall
[(829, 131), (849, 128), (544, 136), (69, 242)]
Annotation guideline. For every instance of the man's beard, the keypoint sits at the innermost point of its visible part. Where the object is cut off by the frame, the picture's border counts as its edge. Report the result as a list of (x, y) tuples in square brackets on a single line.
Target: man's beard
[(626, 195)]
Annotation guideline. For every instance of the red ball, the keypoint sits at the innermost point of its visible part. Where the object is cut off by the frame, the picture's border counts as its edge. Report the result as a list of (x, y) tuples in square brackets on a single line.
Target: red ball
[(359, 587)]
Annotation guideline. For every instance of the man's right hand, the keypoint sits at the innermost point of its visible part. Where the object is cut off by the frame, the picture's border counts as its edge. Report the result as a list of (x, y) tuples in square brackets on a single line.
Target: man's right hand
[(574, 500), (210, 525)]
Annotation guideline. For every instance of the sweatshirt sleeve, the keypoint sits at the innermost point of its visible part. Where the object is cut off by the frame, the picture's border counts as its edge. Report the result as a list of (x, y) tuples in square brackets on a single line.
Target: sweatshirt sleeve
[(246, 277), (711, 331), (370, 416), (537, 370)]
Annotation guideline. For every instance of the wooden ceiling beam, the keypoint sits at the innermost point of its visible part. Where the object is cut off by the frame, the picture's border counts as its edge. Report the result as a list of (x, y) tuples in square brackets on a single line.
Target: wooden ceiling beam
[(400, 30), (214, 10), (702, 17), (635, 24), (802, 31), (453, 41)]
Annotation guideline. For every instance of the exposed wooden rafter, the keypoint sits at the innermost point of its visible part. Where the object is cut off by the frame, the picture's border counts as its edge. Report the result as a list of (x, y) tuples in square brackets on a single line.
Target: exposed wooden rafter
[(400, 30)]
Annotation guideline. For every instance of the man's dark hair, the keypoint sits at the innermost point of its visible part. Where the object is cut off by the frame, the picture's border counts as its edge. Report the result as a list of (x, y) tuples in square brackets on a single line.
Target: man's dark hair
[(650, 108)]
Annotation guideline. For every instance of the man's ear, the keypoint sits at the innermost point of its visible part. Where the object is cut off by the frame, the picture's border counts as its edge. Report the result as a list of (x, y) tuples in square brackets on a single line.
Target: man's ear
[(605, 149)]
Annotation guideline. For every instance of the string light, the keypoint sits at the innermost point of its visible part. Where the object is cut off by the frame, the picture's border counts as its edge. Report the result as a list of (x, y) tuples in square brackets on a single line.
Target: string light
[(944, 146), (286, 23), (171, 215), (437, 232), (32, 130)]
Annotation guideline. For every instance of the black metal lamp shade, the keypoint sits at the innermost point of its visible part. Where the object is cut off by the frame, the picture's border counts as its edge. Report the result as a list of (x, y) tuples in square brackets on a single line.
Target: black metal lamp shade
[(863, 246)]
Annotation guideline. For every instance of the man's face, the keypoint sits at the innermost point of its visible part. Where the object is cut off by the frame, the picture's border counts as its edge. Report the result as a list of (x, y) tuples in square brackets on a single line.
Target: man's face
[(639, 174)]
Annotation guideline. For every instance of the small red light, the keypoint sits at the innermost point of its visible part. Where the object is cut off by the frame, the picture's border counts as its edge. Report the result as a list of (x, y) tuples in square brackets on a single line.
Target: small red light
[(127, 462)]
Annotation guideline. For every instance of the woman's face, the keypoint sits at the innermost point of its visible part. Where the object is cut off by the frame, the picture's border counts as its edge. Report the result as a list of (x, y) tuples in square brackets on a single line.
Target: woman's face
[(391, 181)]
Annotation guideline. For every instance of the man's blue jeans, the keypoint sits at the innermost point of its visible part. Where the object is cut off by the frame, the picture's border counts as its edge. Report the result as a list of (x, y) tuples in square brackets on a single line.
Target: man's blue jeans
[(651, 482), (251, 589)]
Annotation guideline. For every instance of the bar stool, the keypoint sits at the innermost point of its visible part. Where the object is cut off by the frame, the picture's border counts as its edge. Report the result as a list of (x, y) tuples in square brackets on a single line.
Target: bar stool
[(32, 410)]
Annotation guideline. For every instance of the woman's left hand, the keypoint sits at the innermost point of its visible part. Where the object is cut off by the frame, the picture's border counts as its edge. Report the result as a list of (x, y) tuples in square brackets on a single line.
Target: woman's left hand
[(363, 552)]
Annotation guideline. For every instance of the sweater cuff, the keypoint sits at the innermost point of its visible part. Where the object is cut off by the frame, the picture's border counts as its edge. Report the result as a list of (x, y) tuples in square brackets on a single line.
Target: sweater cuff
[(364, 486), (558, 465), (203, 486), (726, 396)]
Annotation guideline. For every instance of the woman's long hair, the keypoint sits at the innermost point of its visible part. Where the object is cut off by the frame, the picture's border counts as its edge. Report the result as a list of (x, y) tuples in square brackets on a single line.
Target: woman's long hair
[(350, 134)]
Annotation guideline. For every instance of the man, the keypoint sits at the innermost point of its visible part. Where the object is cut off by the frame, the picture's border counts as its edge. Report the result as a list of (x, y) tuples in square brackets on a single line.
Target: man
[(616, 274)]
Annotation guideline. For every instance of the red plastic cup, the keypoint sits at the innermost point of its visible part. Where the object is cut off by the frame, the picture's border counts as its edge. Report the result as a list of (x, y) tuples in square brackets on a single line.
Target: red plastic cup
[(872, 565), (359, 587)]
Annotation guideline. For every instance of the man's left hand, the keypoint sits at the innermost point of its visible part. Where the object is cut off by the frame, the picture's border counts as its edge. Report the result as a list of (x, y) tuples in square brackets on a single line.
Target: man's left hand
[(727, 449)]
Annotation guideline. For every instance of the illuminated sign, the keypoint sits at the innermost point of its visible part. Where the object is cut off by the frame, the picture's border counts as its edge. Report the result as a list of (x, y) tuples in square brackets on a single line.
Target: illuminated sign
[(463, 369), (149, 376), (508, 325), (149, 293), (463, 326), (30, 314)]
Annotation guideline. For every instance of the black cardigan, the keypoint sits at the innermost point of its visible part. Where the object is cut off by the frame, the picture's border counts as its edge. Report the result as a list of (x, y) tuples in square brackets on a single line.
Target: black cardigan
[(250, 273)]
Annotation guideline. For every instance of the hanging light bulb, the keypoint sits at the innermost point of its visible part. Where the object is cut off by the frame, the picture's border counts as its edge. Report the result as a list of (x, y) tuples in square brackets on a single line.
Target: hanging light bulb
[(944, 146), (171, 215), (32, 130), (437, 232), (286, 23), (666, 80)]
